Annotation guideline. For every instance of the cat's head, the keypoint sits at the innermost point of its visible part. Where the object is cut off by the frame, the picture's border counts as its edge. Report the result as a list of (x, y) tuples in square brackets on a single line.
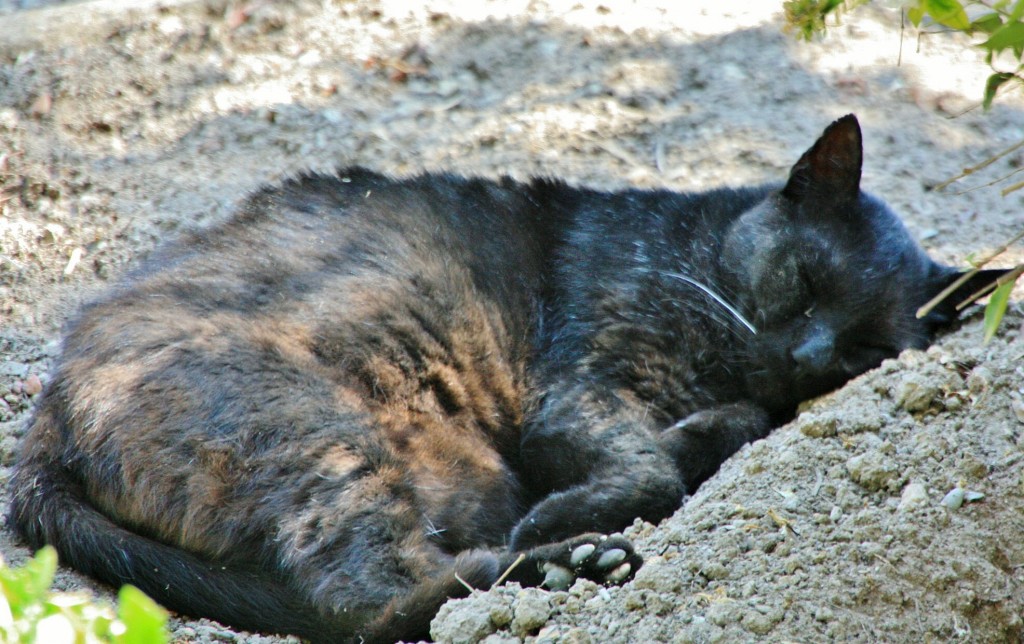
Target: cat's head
[(830, 277)]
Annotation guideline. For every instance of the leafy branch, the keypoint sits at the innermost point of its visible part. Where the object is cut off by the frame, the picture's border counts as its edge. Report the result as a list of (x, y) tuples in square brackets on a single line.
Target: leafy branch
[(30, 612), (998, 22)]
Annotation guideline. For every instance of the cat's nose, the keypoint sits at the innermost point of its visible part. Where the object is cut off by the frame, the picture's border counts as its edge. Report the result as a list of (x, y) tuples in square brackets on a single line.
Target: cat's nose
[(816, 352)]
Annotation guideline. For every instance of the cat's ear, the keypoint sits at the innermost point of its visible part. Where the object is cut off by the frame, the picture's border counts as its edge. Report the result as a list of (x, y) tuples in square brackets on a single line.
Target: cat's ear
[(831, 168), (946, 311)]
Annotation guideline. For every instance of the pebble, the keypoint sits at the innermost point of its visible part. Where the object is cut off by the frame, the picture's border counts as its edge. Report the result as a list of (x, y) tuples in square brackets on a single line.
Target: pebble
[(657, 576), (872, 470), (916, 393), (953, 499), (1017, 407), (16, 369), (714, 570), (501, 614), (461, 621), (979, 379), (757, 623), (914, 495), (818, 426), (721, 613), (33, 385), (532, 610)]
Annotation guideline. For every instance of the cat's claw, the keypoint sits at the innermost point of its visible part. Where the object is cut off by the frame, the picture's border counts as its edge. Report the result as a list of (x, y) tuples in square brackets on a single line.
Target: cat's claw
[(556, 577)]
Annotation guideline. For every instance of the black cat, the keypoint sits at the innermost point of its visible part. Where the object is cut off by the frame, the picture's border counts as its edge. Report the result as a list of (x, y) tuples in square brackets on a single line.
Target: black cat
[(328, 414)]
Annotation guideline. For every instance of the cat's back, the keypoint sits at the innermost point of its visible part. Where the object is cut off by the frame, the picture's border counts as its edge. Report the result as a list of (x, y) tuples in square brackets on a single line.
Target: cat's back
[(321, 252), (336, 323)]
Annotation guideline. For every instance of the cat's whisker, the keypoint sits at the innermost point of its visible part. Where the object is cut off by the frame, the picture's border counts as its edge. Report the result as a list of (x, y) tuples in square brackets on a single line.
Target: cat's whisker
[(717, 298), (433, 530)]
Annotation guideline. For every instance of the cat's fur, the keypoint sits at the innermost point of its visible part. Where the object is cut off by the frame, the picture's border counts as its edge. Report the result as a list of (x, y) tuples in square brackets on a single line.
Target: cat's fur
[(324, 415)]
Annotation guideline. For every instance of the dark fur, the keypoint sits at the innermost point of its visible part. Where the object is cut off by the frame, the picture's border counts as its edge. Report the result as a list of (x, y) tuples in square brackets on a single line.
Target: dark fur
[(320, 416)]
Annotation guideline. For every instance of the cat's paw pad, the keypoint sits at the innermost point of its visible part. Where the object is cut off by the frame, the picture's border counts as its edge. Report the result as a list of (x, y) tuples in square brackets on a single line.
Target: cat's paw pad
[(600, 558)]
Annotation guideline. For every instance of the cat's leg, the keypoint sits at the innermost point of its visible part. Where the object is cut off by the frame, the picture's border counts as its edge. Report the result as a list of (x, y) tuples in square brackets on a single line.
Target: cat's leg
[(593, 458), (702, 441), (600, 558)]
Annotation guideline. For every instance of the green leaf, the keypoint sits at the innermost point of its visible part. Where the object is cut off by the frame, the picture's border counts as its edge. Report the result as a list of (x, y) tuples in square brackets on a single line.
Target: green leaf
[(995, 309), (807, 17), (915, 14), (145, 622), (989, 23), (992, 85), (1018, 11), (26, 587), (947, 12), (1009, 35)]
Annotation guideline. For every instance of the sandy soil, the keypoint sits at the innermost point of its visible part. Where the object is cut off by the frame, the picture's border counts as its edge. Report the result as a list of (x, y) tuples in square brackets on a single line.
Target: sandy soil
[(123, 123)]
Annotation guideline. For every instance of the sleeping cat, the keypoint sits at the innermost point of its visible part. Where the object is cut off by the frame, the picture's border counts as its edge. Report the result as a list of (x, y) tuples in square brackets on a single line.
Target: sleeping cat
[(363, 395)]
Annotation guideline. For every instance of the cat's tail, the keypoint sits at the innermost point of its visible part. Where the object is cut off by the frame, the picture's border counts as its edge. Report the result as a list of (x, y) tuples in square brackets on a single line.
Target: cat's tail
[(50, 506)]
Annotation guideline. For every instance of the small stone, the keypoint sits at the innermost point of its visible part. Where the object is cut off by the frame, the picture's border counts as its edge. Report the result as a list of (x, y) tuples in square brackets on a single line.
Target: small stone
[(916, 393), (953, 499), (8, 450), (1017, 407), (872, 470), (757, 623), (656, 576), (455, 623), (723, 612), (978, 380), (714, 570), (973, 467), (16, 369), (914, 495), (585, 588), (816, 426), (531, 611), (500, 614), (636, 600), (33, 385)]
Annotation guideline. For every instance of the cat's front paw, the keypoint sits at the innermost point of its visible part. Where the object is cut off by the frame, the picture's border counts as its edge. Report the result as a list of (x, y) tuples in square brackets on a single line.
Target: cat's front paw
[(599, 558), (702, 441)]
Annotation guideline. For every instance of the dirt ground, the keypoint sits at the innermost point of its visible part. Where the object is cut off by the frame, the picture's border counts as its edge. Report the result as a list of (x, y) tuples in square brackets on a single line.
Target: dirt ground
[(123, 123)]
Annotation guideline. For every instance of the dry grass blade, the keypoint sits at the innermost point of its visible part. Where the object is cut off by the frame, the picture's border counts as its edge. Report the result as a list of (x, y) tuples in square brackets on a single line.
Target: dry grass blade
[(983, 164), (946, 292), (982, 292), (509, 570), (1007, 190), (464, 583)]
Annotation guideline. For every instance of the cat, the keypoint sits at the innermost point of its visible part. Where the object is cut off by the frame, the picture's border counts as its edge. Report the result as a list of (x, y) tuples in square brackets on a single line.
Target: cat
[(362, 395)]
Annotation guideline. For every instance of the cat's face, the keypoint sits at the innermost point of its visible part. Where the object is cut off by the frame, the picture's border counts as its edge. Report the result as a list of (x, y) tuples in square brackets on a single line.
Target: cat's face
[(829, 277)]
